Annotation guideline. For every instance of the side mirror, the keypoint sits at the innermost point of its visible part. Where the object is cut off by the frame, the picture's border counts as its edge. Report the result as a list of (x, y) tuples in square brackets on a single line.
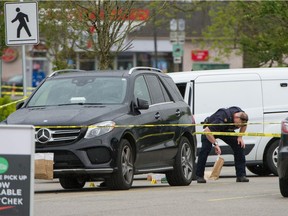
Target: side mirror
[(19, 105), (142, 104)]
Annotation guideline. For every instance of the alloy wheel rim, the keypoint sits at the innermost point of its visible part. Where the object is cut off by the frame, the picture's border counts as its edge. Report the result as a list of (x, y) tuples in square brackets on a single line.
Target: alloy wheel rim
[(275, 156), (186, 161), (127, 164)]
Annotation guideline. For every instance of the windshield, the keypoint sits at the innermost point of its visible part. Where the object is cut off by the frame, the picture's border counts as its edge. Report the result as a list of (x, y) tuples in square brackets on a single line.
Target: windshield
[(80, 90)]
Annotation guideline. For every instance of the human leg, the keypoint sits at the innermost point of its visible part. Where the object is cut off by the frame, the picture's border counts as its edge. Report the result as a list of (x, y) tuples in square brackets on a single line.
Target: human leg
[(239, 157), (202, 156)]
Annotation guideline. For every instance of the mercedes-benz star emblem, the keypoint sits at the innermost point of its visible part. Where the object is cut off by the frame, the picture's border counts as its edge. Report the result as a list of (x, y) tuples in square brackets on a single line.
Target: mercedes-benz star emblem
[(43, 135)]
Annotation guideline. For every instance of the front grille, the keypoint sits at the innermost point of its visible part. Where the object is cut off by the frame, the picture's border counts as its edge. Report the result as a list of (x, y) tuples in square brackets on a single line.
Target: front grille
[(65, 160), (51, 136)]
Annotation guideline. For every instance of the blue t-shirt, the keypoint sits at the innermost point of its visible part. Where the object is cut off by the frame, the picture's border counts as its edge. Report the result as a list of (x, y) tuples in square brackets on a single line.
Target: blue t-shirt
[(223, 116)]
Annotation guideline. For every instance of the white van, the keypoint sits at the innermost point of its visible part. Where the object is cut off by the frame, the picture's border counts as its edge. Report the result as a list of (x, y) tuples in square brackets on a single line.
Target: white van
[(261, 92)]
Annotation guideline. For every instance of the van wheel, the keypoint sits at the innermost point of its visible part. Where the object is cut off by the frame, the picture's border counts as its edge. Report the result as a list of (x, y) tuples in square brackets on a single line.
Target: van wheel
[(72, 182), (272, 157), (283, 184), (260, 170), (122, 179), (184, 166)]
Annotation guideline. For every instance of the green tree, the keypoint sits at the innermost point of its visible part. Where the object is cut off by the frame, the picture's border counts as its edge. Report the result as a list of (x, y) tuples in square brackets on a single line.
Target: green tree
[(258, 29), (2, 28), (56, 31), (106, 24), (102, 25), (6, 111)]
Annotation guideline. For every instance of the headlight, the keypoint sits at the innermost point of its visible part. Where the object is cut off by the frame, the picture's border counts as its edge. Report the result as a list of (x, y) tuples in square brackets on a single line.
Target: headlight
[(99, 129)]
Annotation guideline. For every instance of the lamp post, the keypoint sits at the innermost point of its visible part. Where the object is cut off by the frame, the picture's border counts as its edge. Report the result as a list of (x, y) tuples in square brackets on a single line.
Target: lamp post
[(155, 38)]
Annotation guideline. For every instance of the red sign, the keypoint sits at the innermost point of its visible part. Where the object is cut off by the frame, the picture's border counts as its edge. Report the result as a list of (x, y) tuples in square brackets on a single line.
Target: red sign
[(200, 55), (132, 15), (9, 55)]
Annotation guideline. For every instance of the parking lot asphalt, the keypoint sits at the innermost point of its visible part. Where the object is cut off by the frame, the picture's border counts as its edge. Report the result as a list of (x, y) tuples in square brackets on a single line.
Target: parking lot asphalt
[(260, 196)]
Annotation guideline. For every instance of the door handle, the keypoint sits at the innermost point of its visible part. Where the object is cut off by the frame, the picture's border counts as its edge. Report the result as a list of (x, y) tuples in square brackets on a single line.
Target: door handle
[(157, 115), (178, 113)]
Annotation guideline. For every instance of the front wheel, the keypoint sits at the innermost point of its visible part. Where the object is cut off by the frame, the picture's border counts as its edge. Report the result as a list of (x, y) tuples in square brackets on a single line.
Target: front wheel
[(283, 184), (272, 157), (122, 179), (184, 165)]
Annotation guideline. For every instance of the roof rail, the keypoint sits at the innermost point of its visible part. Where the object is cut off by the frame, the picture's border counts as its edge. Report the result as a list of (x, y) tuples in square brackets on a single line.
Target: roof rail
[(65, 71), (144, 68)]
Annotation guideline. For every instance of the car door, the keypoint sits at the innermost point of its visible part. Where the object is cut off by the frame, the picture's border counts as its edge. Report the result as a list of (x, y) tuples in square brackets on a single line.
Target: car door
[(170, 113), (147, 137)]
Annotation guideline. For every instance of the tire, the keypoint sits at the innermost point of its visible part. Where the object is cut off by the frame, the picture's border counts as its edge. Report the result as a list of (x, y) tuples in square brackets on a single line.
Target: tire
[(184, 166), (72, 182), (122, 179), (283, 184), (260, 170), (272, 157)]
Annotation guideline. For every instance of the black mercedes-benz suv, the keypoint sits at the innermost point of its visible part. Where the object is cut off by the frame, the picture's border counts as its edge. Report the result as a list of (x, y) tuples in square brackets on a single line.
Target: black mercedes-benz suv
[(111, 125)]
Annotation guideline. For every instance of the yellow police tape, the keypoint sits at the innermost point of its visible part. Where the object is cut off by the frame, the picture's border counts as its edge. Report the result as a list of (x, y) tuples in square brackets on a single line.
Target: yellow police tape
[(166, 125), (16, 87), (241, 134), (14, 102)]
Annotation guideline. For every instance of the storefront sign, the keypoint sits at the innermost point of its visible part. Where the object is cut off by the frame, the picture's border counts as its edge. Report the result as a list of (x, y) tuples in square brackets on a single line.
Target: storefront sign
[(9, 55), (200, 55), (16, 170)]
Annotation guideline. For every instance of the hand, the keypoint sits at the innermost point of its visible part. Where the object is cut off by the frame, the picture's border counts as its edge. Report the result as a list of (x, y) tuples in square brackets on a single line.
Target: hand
[(241, 142), (217, 150)]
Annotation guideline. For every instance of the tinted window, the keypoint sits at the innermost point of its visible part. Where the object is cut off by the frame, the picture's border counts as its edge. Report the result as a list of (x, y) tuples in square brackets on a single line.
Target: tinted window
[(155, 88), (141, 89), (182, 88), (173, 88)]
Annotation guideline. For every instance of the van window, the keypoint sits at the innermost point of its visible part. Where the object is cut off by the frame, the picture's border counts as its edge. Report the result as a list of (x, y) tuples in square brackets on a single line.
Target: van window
[(182, 88)]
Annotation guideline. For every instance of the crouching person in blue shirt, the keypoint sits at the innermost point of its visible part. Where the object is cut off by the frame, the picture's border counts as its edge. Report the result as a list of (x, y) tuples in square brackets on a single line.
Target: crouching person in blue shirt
[(238, 118)]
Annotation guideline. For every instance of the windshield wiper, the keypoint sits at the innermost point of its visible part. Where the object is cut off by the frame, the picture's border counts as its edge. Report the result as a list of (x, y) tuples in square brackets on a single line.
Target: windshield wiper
[(79, 104)]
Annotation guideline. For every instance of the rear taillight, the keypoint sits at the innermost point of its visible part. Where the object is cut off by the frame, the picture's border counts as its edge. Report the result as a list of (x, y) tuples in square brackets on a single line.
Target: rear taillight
[(284, 126)]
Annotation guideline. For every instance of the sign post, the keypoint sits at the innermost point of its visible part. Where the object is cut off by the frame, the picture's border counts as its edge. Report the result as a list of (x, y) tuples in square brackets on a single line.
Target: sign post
[(17, 170), (21, 26), (177, 38), (21, 23)]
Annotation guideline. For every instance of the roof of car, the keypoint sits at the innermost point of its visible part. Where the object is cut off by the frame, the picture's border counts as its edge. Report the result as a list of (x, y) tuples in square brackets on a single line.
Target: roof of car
[(112, 73)]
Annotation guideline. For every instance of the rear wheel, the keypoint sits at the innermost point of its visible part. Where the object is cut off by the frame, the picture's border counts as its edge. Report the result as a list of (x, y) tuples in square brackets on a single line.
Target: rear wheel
[(72, 182), (260, 170), (283, 184), (122, 179), (184, 165), (272, 157)]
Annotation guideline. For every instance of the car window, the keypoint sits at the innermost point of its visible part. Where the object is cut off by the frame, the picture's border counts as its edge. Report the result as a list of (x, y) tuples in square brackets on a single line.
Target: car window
[(141, 89), (84, 90), (155, 87), (165, 93)]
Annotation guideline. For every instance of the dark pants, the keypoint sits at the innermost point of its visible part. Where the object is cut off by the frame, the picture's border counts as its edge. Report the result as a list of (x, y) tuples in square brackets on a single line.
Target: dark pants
[(239, 155)]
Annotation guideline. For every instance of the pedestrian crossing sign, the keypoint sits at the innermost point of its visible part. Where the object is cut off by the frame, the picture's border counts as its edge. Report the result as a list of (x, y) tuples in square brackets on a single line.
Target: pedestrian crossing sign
[(21, 23)]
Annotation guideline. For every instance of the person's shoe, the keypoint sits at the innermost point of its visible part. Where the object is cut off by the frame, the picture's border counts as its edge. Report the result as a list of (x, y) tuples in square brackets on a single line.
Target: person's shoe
[(201, 180), (242, 179)]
